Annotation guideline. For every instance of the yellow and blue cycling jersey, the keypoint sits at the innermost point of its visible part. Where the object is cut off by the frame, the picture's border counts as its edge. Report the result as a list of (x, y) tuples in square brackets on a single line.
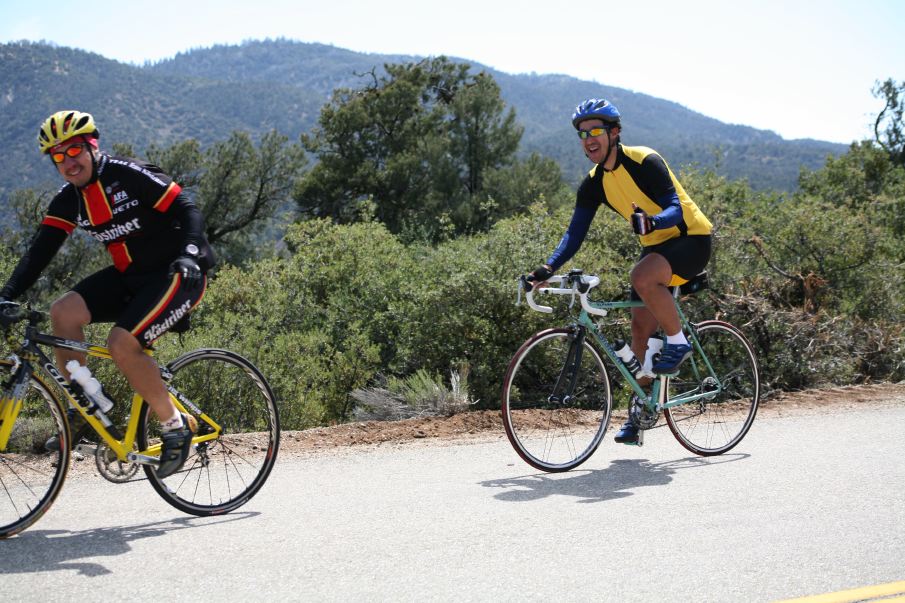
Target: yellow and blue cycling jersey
[(640, 177)]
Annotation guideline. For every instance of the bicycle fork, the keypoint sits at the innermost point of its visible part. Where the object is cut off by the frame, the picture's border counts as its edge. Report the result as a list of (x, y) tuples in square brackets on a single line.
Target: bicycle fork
[(11, 398), (568, 376)]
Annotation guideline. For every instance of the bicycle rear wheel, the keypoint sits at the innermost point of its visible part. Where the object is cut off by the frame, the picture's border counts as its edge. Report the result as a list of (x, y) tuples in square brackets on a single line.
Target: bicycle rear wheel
[(30, 476), (716, 423), (556, 407), (222, 474)]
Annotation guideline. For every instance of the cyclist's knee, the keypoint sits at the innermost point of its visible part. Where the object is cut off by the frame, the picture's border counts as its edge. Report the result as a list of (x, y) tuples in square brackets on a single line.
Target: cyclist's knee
[(651, 271), (122, 343), (644, 282), (69, 311)]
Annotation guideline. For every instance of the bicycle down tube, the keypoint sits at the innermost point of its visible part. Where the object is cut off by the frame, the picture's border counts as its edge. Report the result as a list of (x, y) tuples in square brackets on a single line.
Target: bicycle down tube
[(601, 309), (122, 445)]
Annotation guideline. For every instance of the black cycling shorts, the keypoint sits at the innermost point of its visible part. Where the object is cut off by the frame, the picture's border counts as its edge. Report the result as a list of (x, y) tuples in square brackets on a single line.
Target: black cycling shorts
[(687, 256), (147, 305)]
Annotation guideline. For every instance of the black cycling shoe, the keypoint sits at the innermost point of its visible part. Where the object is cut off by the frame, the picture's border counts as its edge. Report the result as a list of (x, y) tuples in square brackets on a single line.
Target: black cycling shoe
[(628, 434), (175, 447), (78, 429)]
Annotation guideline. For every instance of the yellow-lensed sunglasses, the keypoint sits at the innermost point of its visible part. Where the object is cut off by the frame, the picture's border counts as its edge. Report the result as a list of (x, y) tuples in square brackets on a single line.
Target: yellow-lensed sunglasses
[(592, 133)]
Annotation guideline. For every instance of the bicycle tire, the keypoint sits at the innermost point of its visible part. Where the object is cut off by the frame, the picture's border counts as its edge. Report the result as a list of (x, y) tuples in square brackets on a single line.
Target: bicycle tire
[(549, 434), (715, 425), (222, 474), (31, 477)]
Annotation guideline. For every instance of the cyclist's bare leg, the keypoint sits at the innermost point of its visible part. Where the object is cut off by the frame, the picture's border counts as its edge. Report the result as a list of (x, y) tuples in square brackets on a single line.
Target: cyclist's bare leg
[(69, 315), (141, 371), (650, 279), (643, 326)]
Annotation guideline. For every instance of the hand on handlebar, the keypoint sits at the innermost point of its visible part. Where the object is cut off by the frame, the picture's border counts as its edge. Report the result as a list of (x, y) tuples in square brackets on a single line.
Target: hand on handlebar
[(9, 312), (537, 277)]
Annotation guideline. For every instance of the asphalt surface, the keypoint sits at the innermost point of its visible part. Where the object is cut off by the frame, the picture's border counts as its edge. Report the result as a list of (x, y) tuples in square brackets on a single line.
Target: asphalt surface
[(804, 505)]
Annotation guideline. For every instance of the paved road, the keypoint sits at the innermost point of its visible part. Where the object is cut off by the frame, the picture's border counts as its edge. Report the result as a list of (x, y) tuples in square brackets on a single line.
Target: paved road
[(805, 505)]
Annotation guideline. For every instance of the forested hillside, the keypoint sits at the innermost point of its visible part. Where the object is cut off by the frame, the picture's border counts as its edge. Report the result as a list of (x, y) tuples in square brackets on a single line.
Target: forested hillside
[(205, 94), (370, 237)]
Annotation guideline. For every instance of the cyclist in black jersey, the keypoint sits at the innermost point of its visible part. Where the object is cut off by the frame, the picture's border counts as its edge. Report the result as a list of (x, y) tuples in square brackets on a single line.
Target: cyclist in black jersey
[(155, 236), (636, 183)]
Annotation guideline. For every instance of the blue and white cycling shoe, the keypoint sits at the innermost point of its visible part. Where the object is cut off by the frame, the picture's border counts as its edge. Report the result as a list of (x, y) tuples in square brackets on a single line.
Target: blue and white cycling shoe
[(671, 356)]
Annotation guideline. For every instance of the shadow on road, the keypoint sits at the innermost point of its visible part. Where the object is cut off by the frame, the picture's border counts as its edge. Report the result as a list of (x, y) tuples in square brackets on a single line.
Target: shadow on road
[(618, 480), (56, 550)]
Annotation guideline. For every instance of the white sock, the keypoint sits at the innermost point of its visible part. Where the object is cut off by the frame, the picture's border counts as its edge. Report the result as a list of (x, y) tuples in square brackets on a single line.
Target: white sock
[(175, 422), (677, 339)]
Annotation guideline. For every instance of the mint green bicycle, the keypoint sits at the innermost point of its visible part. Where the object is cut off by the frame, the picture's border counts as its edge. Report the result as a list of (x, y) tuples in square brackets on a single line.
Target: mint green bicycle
[(557, 396)]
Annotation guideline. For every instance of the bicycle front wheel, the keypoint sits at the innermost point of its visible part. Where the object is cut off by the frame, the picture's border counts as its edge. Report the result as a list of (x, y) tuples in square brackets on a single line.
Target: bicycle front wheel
[(717, 420), (223, 473), (30, 476), (556, 400)]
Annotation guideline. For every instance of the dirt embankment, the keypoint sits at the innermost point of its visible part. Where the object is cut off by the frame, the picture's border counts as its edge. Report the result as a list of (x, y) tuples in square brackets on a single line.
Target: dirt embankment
[(487, 424)]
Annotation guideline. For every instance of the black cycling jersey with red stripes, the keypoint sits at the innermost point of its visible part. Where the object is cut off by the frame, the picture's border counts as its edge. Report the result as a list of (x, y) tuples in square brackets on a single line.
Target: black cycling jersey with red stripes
[(133, 208), (127, 209)]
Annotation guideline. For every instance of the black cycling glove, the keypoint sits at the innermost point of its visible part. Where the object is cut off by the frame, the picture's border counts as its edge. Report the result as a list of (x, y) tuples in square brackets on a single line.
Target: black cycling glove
[(192, 277), (7, 311), (642, 223), (540, 274)]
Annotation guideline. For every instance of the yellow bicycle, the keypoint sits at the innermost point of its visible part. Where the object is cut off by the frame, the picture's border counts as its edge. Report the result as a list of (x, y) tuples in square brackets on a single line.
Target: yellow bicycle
[(233, 449)]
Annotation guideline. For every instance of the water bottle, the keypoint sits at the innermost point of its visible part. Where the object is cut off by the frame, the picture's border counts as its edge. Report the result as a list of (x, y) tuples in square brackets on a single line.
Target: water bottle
[(654, 345), (628, 358), (90, 385)]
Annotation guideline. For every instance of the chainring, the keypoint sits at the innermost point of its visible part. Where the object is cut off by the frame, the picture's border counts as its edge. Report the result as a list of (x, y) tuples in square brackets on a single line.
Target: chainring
[(643, 417), (111, 468)]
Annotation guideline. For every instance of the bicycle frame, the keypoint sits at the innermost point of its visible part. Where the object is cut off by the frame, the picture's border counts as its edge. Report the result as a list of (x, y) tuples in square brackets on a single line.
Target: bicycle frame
[(30, 355), (657, 400)]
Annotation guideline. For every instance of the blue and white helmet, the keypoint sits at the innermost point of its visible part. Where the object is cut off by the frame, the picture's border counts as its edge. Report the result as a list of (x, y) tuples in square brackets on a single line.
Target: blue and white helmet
[(596, 108)]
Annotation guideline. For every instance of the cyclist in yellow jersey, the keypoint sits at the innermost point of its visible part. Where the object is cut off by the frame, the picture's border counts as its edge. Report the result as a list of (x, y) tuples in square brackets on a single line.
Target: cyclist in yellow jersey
[(636, 183)]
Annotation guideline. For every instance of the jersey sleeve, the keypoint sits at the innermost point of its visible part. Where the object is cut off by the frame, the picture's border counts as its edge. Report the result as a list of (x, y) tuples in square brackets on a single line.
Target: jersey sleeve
[(191, 222), (574, 237), (58, 223), (155, 188), (587, 201), (44, 246), (657, 181)]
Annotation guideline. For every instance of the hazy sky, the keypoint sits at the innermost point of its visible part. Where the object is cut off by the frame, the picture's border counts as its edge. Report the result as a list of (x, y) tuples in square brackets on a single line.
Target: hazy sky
[(801, 69)]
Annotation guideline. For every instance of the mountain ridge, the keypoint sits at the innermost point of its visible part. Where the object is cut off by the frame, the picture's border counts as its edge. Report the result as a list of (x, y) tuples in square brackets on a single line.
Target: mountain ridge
[(256, 86)]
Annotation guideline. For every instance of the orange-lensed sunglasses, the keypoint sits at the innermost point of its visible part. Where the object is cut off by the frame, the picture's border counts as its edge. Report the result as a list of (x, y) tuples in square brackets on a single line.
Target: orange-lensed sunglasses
[(70, 151)]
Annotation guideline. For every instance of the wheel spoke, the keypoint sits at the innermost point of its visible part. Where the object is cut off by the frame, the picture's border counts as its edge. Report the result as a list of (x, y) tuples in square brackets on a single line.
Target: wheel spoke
[(30, 476), (226, 472), (718, 422), (555, 433)]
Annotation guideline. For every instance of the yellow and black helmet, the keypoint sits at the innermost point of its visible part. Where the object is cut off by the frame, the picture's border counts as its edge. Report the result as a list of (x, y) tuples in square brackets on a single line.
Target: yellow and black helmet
[(63, 125)]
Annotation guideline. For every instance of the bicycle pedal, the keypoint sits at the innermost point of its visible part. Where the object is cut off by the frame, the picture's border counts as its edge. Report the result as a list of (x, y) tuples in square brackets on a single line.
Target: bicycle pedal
[(142, 459), (87, 449)]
